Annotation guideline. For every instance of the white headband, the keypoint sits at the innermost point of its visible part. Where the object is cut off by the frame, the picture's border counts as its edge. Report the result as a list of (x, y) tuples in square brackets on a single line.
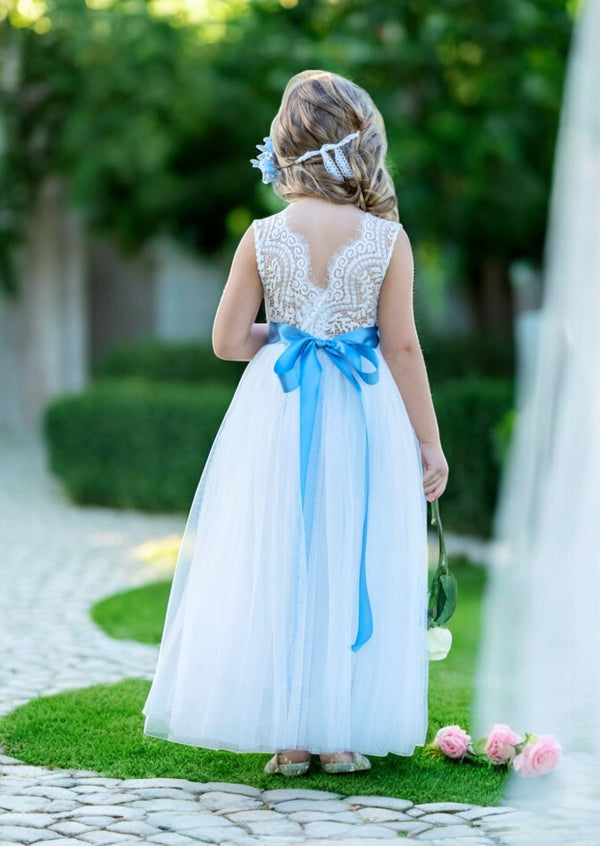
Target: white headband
[(338, 167)]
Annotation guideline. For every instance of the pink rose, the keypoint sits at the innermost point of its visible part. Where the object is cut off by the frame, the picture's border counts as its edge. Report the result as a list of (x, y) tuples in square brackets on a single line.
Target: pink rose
[(539, 756), (500, 745), (452, 740)]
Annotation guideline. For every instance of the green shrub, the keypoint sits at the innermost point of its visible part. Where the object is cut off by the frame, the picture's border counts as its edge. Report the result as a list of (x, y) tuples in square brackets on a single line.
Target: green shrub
[(471, 414), (131, 443), (463, 356), (134, 444), (162, 361)]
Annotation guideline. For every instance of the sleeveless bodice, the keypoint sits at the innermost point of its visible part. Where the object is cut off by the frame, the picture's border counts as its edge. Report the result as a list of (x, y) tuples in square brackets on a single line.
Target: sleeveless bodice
[(356, 271)]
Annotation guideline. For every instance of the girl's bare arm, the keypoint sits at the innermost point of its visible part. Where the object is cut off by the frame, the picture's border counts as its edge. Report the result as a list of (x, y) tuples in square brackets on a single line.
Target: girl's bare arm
[(400, 344), (235, 335)]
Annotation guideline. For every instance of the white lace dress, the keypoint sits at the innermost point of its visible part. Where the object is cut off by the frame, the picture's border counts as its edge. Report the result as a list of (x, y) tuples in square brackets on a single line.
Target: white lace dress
[(298, 613)]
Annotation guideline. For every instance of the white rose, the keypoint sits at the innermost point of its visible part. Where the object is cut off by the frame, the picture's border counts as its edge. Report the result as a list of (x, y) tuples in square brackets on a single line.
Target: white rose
[(439, 641)]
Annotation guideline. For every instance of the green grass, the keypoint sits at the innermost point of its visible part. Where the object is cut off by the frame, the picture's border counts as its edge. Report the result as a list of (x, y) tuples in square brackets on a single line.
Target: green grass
[(136, 614), (100, 727)]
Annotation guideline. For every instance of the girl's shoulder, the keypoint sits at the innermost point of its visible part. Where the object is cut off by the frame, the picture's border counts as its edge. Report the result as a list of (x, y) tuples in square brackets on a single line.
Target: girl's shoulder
[(261, 223)]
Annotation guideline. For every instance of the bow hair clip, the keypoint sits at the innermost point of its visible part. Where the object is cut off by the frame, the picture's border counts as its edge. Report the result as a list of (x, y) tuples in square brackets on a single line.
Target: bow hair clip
[(266, 161)]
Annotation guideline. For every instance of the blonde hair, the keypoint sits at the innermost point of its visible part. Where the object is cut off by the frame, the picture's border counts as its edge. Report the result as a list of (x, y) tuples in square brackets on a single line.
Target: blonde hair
[(318, 108)]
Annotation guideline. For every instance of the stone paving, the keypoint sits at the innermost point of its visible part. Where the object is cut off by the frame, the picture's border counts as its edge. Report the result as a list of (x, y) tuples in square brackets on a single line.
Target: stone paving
[(57, 559)]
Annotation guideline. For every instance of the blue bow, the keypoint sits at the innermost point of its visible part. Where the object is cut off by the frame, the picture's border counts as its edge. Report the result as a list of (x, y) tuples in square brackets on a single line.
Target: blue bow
[(298, 366)]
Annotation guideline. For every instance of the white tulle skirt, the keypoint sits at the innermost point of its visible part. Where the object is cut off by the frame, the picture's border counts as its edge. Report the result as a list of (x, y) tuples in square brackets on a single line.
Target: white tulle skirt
[(256, 651)]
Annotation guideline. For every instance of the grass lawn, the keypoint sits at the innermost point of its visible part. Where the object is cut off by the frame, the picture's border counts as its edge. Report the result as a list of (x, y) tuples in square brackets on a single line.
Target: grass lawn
[(100, 728)]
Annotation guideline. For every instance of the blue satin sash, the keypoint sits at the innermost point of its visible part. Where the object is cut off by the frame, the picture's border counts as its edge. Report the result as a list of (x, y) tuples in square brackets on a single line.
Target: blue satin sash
[(298, 366)]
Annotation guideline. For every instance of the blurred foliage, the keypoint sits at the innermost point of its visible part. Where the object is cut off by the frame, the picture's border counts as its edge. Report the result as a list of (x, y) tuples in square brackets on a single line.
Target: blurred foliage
[(151, 110), (472, 414)]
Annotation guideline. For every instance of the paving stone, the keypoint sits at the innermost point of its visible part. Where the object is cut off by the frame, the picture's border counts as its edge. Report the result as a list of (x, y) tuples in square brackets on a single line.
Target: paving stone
[(413, 827), (329, 805), (186, 822), (220, 801), (170, 838), (315, 816), (132, 827), (99, 781), (159, 793), (285, 795), (441, 818), (105, 798), (69, 827), (175, 805), (356, 841), (22, 770), (49, 792), (95, 822), (108, 837), (57, 806), (120, 811), (19, 803), (184, 784), (57, 838), (517, 818), (371, 831), (327, 828), (380, 802), (255, 816), (443, 806), (447, 832), (227, 787), (64, 841), (479, 812), (282, 826), (215, 835), (25, 834), (30, 819), (374, 814), (57, 780)]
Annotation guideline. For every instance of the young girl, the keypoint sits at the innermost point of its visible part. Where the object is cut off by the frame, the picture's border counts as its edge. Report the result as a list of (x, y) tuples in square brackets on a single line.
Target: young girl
[(298, 613)]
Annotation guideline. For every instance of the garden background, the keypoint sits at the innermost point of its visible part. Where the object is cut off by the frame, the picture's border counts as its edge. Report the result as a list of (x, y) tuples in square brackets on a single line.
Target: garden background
[(126, 130)]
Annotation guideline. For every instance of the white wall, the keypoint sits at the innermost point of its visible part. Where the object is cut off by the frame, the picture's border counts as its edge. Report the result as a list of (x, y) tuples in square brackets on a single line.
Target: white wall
[(188, 289)]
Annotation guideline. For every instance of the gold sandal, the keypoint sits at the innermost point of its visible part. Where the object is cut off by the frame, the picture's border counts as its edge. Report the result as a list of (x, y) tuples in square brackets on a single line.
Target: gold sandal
[(291, 768), (358, 763)]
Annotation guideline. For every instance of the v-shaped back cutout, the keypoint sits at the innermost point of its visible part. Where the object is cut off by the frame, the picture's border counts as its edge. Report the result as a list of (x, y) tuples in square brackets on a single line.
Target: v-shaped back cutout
[(323, 278)]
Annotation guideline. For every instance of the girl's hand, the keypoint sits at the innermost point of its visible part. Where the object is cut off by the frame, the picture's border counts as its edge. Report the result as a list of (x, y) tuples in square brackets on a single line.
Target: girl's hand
[(435, 470)]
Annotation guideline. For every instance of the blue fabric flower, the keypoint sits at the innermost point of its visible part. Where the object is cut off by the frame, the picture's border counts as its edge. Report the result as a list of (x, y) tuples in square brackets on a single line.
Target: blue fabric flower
[(266, 162)]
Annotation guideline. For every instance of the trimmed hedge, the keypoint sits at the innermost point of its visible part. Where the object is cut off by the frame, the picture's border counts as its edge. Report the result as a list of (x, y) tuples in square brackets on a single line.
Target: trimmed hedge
[(134, 444), (131, 443), (453, 357), (160, 361), (475, 418)]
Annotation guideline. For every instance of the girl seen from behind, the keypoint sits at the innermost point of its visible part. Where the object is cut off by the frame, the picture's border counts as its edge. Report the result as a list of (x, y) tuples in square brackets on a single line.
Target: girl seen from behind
[(297, 618)]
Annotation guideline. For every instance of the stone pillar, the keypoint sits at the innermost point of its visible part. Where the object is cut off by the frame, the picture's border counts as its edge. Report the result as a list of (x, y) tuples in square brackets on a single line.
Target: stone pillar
[(46, 345)]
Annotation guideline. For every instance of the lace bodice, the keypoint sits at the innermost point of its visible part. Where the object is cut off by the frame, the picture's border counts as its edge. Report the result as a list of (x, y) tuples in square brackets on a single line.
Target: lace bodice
[(355, 273)]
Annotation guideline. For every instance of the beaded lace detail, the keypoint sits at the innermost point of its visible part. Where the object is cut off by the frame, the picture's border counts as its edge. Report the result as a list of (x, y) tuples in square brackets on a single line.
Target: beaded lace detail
[(355, 273)]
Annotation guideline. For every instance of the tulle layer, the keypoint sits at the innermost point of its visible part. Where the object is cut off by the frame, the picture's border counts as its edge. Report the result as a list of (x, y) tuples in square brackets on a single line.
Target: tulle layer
[(256, 652)]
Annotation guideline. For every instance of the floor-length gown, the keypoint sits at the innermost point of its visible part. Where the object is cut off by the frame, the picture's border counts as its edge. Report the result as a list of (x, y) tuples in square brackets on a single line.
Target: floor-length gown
[(298, 612)]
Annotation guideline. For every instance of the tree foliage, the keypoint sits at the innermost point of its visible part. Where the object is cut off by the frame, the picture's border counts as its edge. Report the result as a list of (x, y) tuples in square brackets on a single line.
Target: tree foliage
[(150, 115)]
